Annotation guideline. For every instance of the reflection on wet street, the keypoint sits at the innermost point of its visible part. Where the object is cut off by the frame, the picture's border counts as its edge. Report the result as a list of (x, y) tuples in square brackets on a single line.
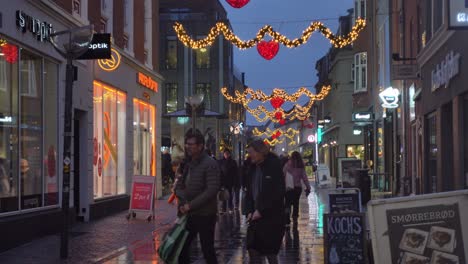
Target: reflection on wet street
[(301, 244)]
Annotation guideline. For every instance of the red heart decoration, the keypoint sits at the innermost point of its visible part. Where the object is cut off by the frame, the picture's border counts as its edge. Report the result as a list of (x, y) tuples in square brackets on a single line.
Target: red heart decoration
[(277, 102), (268, 49), (274, 136), (278, 134), (237, 3), (279, 115), (282, 122)]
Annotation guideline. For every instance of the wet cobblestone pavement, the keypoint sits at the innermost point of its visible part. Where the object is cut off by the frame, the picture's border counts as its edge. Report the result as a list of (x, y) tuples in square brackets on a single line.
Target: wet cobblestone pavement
[(113, 239), (301, 244)]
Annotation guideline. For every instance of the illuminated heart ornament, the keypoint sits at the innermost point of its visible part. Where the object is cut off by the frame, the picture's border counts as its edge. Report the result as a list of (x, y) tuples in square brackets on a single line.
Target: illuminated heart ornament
[(279, 115), (237, 3), (282, 122), (268, 49), (278, 134), (277, 102)]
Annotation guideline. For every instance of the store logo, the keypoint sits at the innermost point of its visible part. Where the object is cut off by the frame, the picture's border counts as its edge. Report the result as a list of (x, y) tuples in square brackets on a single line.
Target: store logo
[(41, 30), (362, 116), (99, 48), (112, 63), (445, 71), (147, 81), (389, 97)]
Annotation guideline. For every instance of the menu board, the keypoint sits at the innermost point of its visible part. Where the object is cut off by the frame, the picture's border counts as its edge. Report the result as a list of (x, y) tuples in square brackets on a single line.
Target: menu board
[(344, 238), (427, 234), (347, 171), (344, 203)]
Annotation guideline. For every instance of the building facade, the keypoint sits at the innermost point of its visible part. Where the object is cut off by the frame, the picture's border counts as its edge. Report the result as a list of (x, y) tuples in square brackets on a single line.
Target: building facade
[(116, 114)]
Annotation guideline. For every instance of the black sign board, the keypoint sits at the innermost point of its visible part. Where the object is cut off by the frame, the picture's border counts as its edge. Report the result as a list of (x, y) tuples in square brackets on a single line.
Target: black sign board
[(344, 203), (344, 239), (426, 234), (99, 48)]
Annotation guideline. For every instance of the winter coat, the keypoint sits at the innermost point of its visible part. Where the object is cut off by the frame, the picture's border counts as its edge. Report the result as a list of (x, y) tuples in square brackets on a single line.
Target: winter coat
[(230, 177), (265, 234), (199, 186)]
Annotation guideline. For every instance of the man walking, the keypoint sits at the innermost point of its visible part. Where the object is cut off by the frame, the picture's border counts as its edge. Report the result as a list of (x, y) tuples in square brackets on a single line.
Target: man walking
[(197, 192), (229, 181)]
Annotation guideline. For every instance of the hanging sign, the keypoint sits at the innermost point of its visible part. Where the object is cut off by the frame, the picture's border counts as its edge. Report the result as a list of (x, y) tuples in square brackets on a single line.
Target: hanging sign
[(99, 48), (458, 14), (344, 239), (389, 97)]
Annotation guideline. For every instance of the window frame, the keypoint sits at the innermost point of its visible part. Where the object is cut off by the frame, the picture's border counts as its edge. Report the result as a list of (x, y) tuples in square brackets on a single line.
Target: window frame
[(358, 68), (171, 86)]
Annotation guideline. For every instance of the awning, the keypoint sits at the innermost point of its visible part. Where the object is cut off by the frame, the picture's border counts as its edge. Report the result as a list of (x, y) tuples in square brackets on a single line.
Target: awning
[(182, 113)]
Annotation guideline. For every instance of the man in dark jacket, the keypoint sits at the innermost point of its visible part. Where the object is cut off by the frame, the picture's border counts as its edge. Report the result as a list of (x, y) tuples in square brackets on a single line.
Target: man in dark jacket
[(264, 204), (197, 195), (229, 180)]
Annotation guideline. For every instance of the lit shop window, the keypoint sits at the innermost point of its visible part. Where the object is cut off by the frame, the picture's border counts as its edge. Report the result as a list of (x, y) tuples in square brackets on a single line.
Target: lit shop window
[(109, 140), (355, 151), (144, 140), (28, 136)]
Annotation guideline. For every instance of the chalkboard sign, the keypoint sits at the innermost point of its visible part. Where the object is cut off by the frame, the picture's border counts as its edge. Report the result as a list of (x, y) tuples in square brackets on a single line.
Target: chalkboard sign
[(344, 203), (344, 239)]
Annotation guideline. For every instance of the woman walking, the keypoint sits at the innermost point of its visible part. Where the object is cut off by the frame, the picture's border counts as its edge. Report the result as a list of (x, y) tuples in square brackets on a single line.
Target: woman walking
[(264, 204), (295, 167)]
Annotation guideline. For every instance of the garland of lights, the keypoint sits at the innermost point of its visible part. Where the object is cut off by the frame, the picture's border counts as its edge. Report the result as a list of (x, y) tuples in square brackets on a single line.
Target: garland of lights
[(277, 98), (276, 135), (222, 28)]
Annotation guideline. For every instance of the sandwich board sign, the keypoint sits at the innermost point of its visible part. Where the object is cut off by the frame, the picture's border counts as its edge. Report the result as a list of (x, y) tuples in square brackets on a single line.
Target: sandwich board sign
[(431, 228)]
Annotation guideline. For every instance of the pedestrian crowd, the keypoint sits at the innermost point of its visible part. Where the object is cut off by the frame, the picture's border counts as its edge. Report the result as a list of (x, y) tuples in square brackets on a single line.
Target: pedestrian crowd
[(266, 188)]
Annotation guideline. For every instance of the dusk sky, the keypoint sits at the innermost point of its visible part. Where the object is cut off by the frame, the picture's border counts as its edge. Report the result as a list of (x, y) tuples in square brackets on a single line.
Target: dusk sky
[(291, 68)]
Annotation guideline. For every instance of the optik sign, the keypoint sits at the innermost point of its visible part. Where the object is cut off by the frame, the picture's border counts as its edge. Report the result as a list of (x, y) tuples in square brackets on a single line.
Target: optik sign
[(99, 48)]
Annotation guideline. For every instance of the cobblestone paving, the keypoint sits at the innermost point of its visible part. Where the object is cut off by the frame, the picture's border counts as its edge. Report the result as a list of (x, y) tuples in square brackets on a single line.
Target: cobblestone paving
[(115, 240)]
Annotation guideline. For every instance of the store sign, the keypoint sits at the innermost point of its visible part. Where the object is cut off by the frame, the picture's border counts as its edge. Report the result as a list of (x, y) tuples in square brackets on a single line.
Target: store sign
[(99, 48), (458, 14), (445, 71), (6, 119), (389, 97), (40, 29), (363, 117), (404, 71), (112, 63), (147, 81)]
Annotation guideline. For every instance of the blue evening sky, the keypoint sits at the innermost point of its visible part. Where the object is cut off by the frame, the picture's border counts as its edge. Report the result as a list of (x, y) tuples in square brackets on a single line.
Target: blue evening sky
[(291, 68)]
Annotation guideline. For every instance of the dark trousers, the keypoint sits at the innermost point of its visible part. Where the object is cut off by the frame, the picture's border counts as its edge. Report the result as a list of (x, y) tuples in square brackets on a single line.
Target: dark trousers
[(292, 200), (228, 203), (205, 227)]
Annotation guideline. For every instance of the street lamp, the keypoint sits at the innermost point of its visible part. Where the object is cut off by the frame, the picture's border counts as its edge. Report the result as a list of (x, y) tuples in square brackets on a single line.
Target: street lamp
[(70, 44), (194, 105)]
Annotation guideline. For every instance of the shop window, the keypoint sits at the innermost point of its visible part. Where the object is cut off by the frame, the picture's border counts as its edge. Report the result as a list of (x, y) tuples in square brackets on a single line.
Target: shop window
[(144, 141), (171, 97), (28, 140), (360, 72), (431, 153), (109, 141), (205, 89), (171, 54), (355, 151), (202, 57)]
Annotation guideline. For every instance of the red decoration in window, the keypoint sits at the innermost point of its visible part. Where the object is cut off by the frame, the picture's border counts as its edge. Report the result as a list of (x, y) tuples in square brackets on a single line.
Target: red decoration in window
[(237, 3), (268, 49), (10, 52), (276, 102), (282, 122)]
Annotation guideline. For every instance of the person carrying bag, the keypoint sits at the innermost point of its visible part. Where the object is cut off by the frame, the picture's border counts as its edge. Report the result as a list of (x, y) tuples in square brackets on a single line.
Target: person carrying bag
[(173, 241)]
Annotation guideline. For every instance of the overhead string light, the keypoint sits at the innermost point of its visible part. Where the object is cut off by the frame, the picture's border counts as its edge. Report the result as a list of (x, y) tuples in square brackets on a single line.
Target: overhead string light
[(277, 98), (222, 28), (290, 133)]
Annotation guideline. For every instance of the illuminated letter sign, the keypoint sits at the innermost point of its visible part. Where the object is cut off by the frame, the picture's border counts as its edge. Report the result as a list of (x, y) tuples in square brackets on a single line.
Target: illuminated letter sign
[(389, 97), (99, 48), (362, 116), (41, 30), (147, 81), (112, 63), (458, 14), (445, 71)]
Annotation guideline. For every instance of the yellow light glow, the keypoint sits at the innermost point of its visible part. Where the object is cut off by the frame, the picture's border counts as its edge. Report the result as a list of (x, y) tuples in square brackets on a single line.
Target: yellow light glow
[(112, 63), (222, 28), (262, 114)]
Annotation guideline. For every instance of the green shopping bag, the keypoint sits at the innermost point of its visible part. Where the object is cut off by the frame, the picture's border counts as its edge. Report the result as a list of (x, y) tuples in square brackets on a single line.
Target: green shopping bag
[(173, 241)]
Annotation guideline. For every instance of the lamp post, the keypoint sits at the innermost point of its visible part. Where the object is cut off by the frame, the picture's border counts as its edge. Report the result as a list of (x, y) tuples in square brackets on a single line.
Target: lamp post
[(70, 44), (194, 104)]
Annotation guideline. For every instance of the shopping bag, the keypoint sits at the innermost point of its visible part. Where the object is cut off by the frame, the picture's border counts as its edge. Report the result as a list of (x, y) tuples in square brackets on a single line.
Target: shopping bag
[(173, 241), (289, 181)]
